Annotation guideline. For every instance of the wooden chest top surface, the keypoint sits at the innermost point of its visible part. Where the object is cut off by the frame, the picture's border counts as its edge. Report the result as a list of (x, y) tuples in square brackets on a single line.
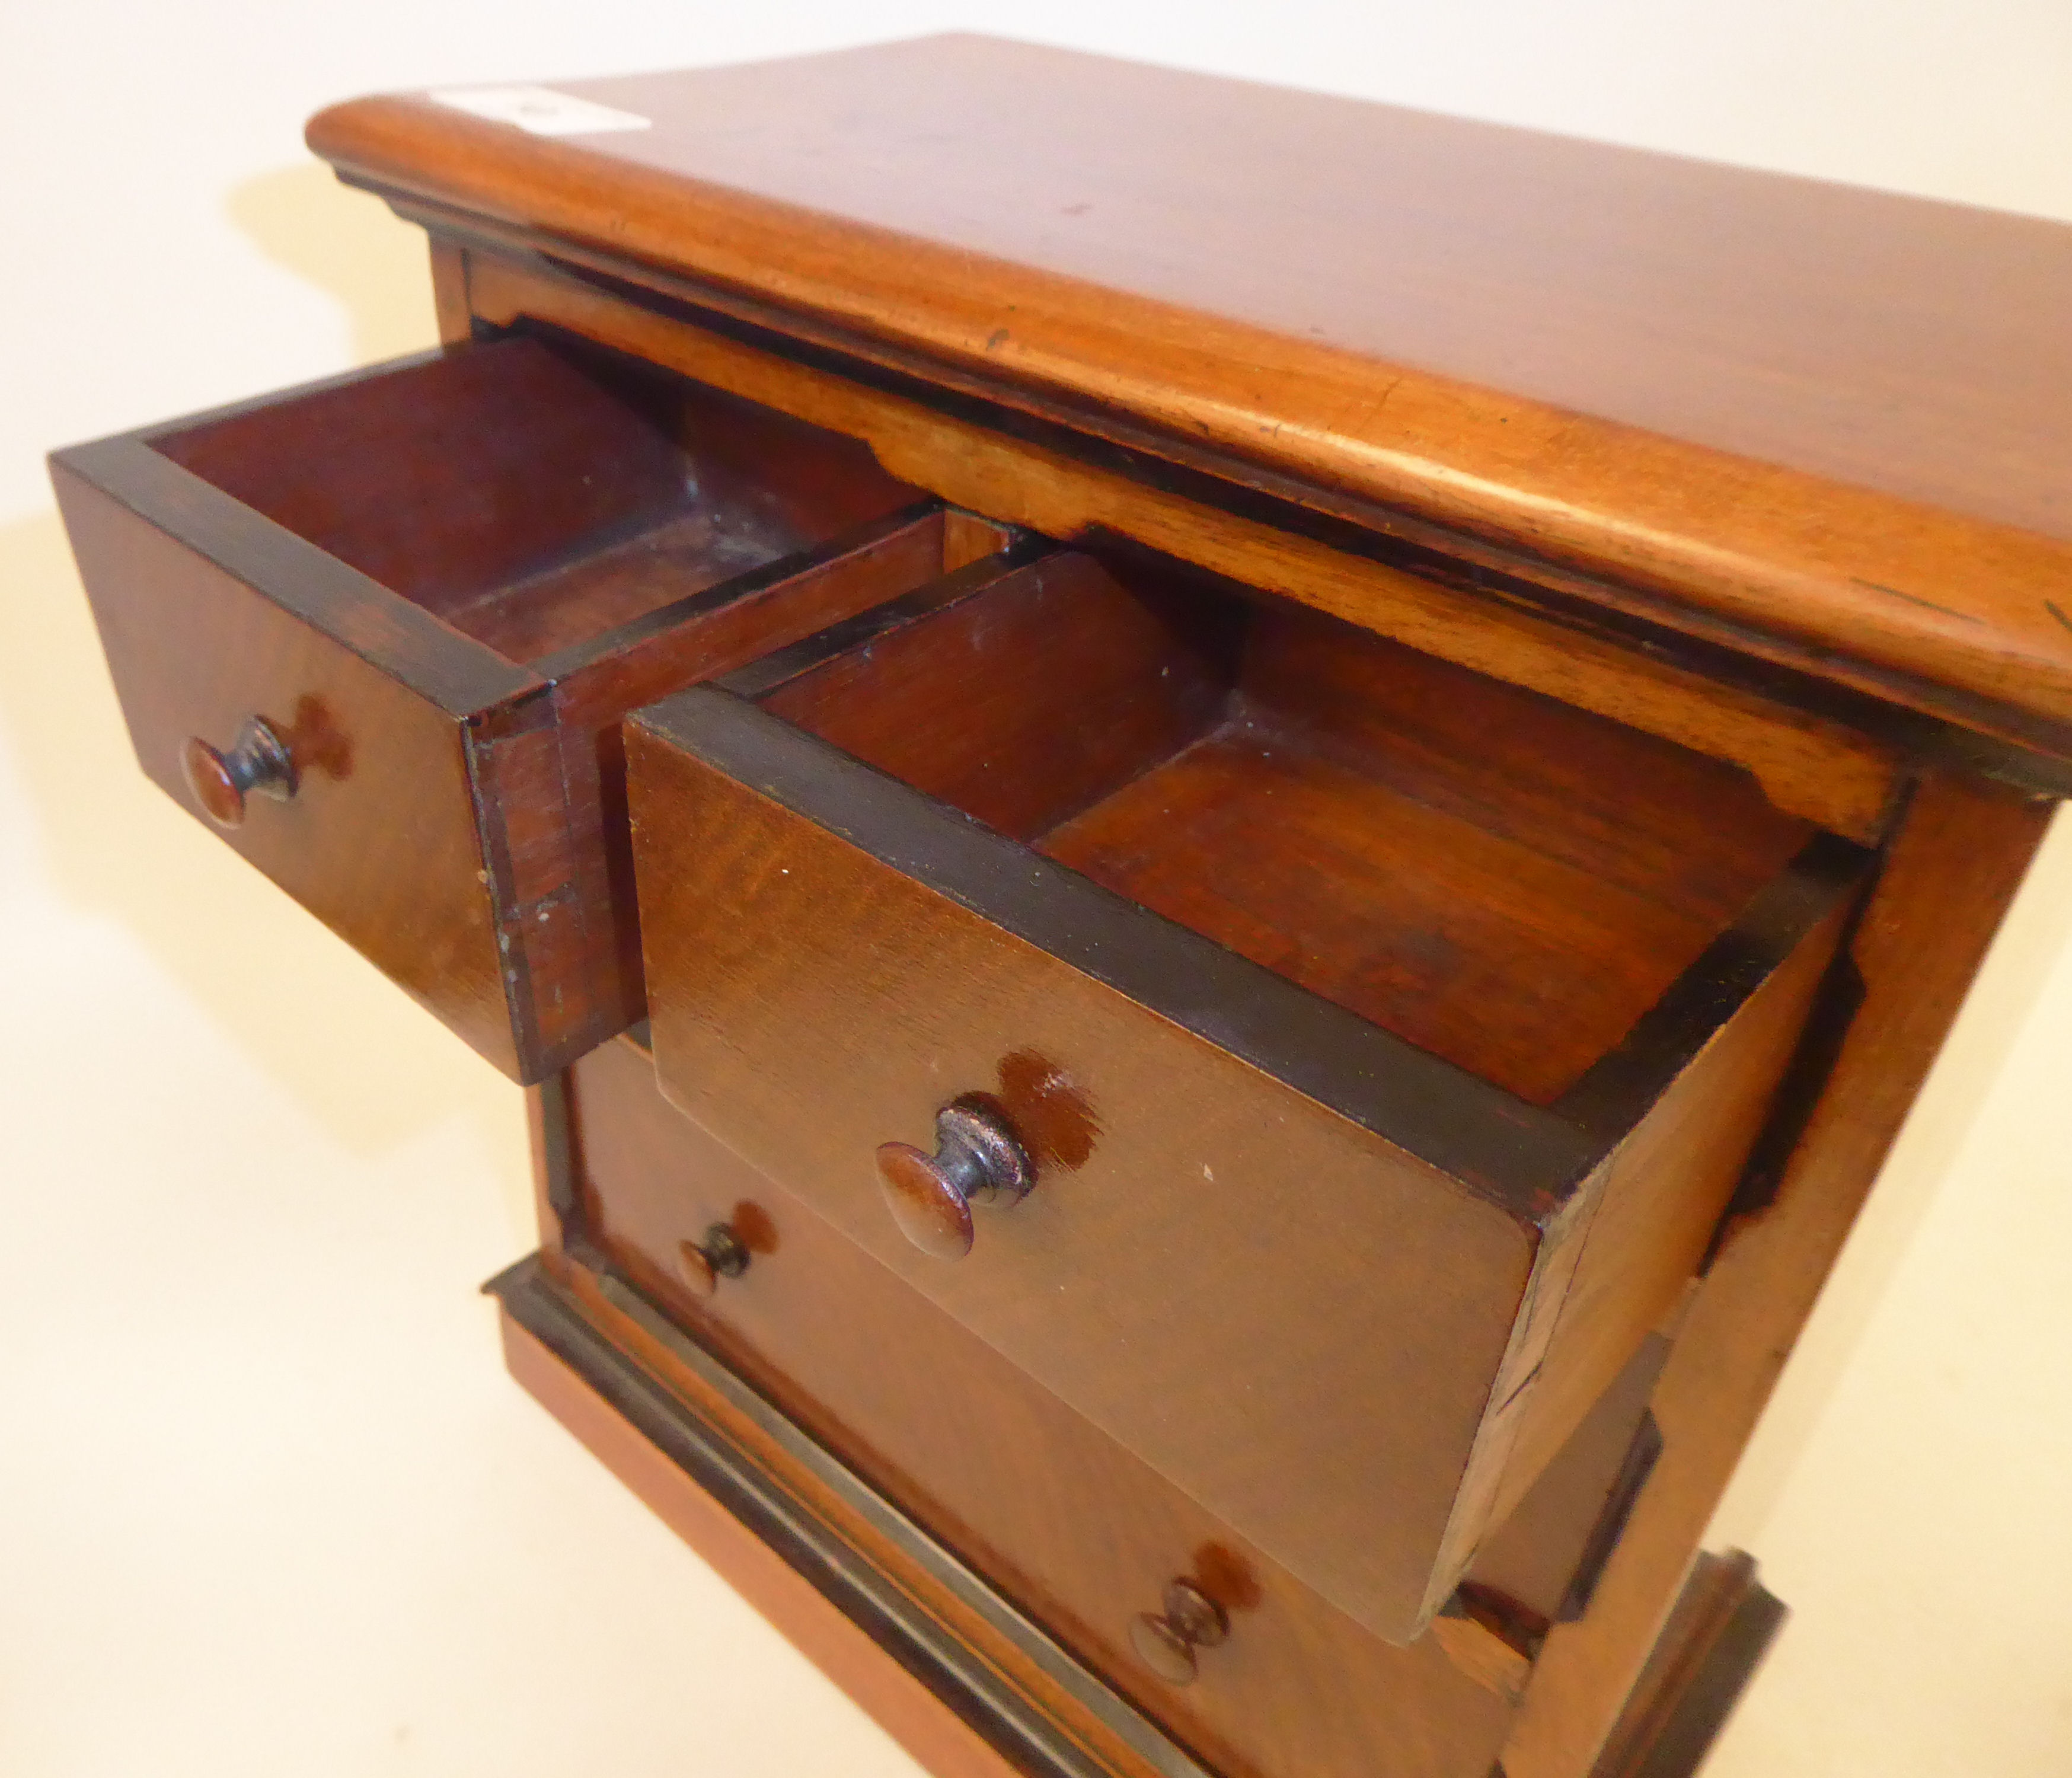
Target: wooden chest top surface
[(1825, 413)]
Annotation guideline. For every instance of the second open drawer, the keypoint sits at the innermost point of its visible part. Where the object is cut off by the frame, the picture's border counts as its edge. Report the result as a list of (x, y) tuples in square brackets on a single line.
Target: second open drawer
[(1378, 1045)]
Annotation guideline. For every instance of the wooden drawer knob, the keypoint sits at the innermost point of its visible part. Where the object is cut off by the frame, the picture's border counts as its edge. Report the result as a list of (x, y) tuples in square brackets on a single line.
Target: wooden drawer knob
[(978, 1160), (260, 761), (702, 1264), (1165, 1641)]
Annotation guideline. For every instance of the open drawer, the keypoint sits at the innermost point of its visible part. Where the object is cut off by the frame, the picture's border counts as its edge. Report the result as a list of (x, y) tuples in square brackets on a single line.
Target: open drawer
[(381, 630), (1378, 1045)]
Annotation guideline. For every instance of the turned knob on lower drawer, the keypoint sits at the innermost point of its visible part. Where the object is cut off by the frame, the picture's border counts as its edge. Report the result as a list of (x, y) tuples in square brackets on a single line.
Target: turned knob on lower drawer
[(220, 782), (978, 1160), (1165, 1641), (702, 1264)]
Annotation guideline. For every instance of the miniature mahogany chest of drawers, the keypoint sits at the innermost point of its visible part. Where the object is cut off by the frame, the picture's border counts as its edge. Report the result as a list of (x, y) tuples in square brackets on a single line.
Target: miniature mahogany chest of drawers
[(1220, 829)]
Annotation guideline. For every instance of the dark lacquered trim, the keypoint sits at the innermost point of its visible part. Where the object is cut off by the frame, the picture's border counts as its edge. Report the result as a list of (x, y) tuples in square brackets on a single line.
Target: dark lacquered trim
[(532, 710), (1813, 1063), (1680, 1744), (557, 1140), (1639, 1464), (1615, 1093), (1007, 1715), (453, 673), (1524, 1159)]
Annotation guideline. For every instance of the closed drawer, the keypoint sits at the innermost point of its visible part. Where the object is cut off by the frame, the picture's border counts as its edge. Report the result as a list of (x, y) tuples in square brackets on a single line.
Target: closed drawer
[(1384, 1042), (380, 632), (1077, 1532)]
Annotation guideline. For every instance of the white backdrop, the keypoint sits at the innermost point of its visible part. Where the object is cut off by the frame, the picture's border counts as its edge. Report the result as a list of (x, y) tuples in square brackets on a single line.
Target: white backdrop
[(266, 1502)]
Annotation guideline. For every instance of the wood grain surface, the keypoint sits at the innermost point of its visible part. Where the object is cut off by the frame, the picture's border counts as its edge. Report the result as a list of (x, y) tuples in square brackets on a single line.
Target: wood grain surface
[(1749, 491), (483, 557), (1502, 880), (379, 840), (447, 479), (692, 639), (1680, 376), (1546, 1557), (1079, 1532), (1663, 1197), (1952, 871), (821, 981), (1451, 596), (1480, 871), (809, 1002)]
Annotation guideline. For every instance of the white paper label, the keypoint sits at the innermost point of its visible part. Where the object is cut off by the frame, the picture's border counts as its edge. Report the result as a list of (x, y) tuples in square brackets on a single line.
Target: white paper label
[(538, 108)]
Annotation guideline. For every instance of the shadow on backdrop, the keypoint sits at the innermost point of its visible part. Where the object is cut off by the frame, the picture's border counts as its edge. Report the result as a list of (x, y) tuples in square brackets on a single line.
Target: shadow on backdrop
[(370, 1066), (351, 246)]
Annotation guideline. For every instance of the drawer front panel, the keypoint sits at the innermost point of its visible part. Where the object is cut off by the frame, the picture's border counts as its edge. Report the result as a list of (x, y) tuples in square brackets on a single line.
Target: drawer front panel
[(379, 840), (1292, 1320), (1079, 1532)]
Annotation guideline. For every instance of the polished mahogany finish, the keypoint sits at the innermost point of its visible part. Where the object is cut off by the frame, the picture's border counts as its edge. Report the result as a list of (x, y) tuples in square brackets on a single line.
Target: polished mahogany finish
[(1450, 594), (439, 585), (1396, 738), (1682, 379), (1410, 1011), (1953, 870), (1072, 1528)]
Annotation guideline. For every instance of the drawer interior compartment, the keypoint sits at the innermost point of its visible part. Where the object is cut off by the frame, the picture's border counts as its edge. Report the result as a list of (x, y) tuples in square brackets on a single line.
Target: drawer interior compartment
[(1348, 1058), (381, 632), (1503, 881), (536, 501)]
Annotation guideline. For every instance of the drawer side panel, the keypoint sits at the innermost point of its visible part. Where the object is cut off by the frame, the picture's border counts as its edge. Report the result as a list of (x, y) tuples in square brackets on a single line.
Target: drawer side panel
[(1664, 1192)]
